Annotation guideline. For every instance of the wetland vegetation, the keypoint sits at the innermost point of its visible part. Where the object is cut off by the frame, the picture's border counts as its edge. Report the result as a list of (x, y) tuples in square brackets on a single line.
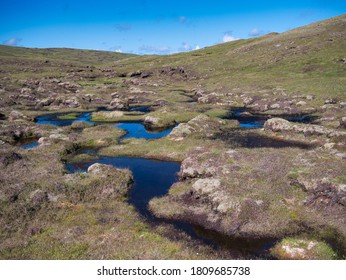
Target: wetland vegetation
[(235, 151)]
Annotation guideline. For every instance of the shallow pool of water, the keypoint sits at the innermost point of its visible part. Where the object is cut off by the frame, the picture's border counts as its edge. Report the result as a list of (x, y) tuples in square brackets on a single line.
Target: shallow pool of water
[(53, 119), (28, 143), (133, 129), (152, 177), (248, 120), (138, 130), (143, 109)]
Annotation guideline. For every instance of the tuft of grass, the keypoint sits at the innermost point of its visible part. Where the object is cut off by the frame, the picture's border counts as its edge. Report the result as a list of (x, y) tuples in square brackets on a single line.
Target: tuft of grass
[(71, 116)]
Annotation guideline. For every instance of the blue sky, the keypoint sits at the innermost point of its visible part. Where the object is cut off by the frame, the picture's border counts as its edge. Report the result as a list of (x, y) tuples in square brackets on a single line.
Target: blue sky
[(152, 27)]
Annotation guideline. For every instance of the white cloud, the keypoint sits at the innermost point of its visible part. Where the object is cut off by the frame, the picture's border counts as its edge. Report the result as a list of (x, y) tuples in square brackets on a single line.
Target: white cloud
[(255, 32), (227, 37), (12, 41), (116, 49), (187, 47)]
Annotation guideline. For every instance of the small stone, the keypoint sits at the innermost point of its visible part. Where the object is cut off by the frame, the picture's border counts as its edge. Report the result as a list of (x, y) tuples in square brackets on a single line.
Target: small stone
[(341, 188), (331, 101), (329, 146), (99, 168), (343, 122), (301, 103), (119, 104), (15, 115), (341, 155), (275, 106), (151, 120)]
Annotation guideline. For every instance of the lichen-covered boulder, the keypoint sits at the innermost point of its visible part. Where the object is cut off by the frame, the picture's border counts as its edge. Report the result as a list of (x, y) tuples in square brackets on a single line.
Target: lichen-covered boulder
[(302, 249)]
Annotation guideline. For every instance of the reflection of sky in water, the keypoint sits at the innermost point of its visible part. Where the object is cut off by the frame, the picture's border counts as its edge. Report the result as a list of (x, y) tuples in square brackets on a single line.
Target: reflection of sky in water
[(30, 145), (137, 130), (133, 129), (251, 125), (152, 178), (257, 121), (54, 120)]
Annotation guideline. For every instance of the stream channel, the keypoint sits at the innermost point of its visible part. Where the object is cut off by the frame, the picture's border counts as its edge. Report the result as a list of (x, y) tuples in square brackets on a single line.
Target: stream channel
[(153, 178)]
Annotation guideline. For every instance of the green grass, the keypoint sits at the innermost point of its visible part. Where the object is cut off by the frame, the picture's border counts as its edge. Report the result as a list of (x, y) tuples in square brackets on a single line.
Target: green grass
[(71, 116), (121, 117), (62, 54), (157, 149)]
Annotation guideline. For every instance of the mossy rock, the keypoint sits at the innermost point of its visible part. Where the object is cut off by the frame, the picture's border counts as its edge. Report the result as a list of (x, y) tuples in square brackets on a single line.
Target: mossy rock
[(302, 249)]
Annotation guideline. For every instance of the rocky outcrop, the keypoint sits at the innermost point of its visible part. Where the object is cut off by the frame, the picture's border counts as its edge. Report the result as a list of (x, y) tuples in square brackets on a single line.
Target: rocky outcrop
[(15, 115), (71, 103), (171, 71), (99, 168), (151, 121), (119, 104), (115, 181), (281, 125), (202, 125), (45, 102), (302, 249), (215, 98), (192, 168), (322, 191), (69, 86), (228, 192), (343, 122)]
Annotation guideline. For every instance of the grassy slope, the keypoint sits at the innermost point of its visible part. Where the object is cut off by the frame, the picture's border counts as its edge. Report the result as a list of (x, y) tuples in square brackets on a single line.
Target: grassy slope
[(62, 54), (306, 59)]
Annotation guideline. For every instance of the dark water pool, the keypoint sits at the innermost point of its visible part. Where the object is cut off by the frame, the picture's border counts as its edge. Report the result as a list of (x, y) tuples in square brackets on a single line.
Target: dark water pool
[(143, 109), (248, 120), (153, 178)]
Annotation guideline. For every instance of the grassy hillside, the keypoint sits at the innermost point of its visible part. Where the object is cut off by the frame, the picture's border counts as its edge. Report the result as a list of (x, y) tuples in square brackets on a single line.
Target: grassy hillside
[(61, 54), (307, 60), (310, 59)]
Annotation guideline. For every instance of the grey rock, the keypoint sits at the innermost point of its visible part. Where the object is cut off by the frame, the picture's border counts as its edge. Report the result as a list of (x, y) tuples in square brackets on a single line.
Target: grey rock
[(206, 186), (119, 104), (343, 122), (15, 115), (151, 120)]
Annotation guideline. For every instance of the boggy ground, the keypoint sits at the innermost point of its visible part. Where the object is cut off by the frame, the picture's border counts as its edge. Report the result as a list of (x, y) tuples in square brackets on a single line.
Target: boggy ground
[(49, 214), (286, 181)]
